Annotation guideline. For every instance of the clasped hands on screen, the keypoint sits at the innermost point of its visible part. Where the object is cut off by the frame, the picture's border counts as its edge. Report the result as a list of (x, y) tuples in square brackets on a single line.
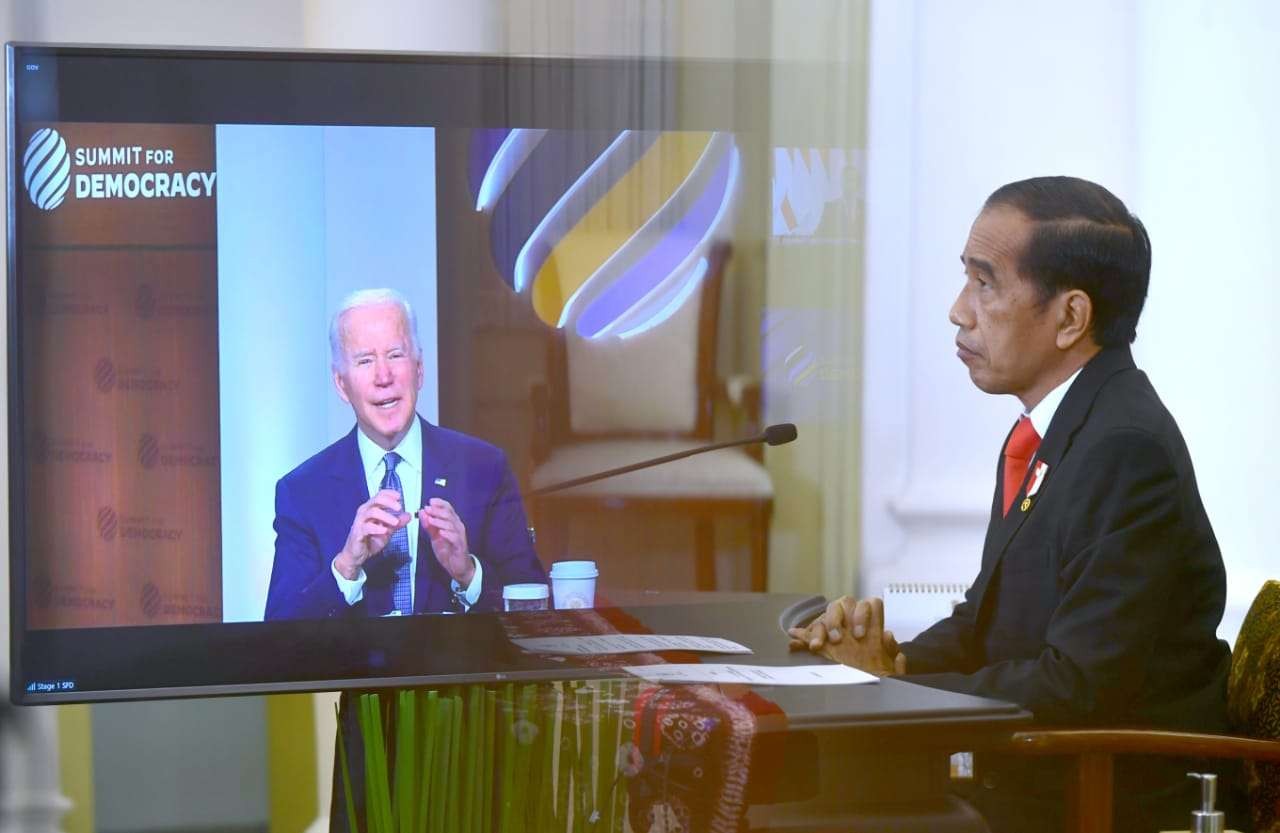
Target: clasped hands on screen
[(852, 632), (380, 516)]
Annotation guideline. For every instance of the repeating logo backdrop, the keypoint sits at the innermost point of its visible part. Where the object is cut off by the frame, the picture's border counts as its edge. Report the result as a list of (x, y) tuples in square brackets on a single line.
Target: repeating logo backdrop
[(118, 275)]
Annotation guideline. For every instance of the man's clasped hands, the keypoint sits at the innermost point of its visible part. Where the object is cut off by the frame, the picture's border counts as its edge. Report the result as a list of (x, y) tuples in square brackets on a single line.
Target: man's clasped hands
[(851, 631)]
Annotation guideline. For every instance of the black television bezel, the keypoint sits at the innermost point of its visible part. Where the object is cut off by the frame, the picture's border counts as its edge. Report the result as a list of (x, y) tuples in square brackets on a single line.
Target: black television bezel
[(715, 94)]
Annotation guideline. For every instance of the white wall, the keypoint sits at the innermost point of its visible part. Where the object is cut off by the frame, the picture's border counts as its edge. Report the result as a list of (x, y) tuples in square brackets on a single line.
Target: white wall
[(177, 764), (1159, 102), (1208, 174), (246, 23)]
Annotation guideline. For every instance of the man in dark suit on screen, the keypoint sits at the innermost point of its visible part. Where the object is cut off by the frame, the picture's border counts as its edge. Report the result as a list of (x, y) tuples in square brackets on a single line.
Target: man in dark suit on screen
[(1101, 586), (351, 539), (348, 542)]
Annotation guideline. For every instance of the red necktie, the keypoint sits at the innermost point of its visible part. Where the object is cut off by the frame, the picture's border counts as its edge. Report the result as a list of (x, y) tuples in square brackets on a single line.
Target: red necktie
[(1018, 452)]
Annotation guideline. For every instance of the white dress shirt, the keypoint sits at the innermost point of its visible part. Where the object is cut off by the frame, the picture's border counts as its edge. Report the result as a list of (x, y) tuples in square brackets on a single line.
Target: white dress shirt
[(1042, 414), (373, 461)]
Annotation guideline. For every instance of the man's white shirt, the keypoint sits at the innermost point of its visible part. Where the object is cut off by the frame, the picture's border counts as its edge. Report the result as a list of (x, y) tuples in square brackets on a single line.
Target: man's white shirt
[(1042, 414), (372, 460)]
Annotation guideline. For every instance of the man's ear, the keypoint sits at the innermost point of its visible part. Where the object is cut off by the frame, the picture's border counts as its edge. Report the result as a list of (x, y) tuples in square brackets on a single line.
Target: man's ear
[(1075, 318), (341, 384)]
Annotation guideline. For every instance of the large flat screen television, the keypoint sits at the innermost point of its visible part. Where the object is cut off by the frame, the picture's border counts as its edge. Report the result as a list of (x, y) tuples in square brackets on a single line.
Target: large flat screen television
[(182, 226)]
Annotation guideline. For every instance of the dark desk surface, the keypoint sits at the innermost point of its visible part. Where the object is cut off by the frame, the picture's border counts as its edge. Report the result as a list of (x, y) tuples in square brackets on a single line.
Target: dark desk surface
[(758, 621)]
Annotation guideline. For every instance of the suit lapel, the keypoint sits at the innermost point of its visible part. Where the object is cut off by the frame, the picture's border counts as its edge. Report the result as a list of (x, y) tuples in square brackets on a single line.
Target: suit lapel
[(348, 470), (439, 479), (990, 547), (1071, 414), (440, 474)]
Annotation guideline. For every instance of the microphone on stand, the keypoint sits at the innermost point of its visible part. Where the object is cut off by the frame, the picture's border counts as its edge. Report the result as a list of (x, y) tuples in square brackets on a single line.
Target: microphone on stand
[(780, 434)]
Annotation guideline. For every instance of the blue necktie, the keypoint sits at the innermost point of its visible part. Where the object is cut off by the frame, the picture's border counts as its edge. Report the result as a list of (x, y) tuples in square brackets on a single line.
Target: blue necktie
[(397, 549)]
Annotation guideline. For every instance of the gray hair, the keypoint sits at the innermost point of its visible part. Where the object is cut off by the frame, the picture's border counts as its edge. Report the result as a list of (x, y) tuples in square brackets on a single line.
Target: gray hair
[(370, 298)]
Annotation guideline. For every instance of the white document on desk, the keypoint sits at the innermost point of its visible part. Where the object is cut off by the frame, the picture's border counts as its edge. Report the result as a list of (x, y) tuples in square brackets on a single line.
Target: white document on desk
[(622, 643), (752, 674)]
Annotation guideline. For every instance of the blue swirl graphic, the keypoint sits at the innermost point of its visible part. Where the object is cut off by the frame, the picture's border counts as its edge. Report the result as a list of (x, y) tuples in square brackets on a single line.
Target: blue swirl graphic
[(46, 169)]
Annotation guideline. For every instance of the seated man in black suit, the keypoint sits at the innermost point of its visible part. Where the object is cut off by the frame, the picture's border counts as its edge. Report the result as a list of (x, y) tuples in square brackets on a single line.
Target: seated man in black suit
[(1101, 586)]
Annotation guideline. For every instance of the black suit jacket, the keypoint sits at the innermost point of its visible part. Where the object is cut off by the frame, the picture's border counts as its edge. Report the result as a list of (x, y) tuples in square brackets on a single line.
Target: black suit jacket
[(1099, 597)]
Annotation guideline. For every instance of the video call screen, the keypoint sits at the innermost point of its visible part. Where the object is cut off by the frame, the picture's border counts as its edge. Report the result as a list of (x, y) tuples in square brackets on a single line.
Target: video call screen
[(182, 227), (176, 287)]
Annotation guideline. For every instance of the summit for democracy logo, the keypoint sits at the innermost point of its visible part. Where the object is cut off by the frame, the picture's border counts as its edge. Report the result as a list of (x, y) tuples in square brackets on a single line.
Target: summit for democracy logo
[(46, 169), (50, 168)]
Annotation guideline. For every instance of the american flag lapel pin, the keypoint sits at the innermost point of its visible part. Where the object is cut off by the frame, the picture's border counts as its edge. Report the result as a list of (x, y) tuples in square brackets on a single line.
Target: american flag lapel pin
[(442, 482), (1037, 477)]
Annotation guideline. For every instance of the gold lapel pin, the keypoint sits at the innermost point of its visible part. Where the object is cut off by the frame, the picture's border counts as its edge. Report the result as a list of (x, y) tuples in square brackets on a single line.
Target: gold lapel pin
[(1026, 503)]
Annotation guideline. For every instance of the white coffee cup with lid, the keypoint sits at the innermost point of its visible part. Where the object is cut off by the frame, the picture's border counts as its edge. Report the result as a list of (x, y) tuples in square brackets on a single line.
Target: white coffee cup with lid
[(524, 597), (573, 584)]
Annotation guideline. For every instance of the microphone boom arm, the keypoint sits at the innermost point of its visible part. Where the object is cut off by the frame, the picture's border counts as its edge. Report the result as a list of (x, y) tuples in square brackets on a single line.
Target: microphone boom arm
[(773, 435)]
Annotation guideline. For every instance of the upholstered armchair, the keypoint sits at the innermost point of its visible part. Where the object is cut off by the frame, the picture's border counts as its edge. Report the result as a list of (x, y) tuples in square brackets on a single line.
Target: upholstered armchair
[(610, 402), (1253, 705)]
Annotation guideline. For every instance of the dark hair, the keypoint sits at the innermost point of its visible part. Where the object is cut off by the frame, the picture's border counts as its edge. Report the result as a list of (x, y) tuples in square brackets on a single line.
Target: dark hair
[(1084, 238)]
